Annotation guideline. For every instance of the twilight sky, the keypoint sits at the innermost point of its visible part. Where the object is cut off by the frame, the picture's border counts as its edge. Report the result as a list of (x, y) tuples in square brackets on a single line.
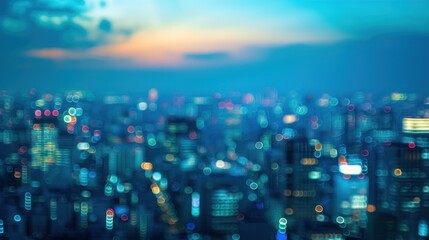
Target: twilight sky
[(194, 46)]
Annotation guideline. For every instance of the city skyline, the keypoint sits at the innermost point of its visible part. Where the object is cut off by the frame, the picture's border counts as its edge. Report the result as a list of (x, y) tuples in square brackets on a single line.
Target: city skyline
[(220, 166), (214, 120)]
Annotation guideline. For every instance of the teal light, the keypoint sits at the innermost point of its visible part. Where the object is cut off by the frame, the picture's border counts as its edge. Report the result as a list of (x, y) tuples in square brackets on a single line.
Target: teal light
[(72, 111), (17, 218)]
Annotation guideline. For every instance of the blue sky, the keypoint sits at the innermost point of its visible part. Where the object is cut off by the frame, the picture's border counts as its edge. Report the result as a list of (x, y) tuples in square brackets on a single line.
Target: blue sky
[(157, 43)]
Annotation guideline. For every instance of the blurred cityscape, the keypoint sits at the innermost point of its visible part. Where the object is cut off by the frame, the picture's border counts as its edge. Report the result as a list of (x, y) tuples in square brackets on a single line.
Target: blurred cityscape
[(214, 120), (77, 165)]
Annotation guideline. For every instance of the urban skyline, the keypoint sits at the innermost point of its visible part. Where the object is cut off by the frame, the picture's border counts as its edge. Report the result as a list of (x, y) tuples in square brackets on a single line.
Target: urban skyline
[(214, 120), (220, 166)]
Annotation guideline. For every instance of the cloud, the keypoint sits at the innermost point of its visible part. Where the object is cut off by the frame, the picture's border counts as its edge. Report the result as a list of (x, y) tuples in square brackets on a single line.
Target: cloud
[(67, 24), (105, 25), (187, 33), (185, 41), (188, 46), (154, 33)]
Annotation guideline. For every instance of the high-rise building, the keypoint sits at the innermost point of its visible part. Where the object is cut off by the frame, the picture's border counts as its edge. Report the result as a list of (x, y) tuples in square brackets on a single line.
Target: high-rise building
[(223, 199), (301, 181), (181, 142), (44, 145), (408, 195)]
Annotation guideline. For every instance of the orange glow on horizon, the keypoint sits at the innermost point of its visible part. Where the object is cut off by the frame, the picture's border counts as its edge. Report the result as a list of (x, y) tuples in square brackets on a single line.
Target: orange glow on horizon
[(51, 53), (169, 46)]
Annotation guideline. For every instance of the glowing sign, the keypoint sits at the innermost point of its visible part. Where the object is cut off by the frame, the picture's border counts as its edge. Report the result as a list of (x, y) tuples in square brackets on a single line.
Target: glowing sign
[(415, 125), (423, 229), (195, 204), (314, 175), (83, 146), (350, 169), (399, 96), (359, 202)]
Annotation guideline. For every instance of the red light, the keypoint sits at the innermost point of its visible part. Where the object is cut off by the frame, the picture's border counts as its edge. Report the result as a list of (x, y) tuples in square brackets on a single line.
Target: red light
[(124, 217), (97, 133), (85, 128), (411, 145), (38, 113), (365, 153), (47, 113), (22, 150), (55, 113), (193, 135), (342, 160), (130, 129), (110, 212)]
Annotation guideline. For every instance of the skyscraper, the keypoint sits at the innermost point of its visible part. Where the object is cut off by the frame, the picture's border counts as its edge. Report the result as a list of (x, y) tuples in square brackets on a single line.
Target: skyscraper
[(301, 180), (44, 144), (180, 143), (408, 195)]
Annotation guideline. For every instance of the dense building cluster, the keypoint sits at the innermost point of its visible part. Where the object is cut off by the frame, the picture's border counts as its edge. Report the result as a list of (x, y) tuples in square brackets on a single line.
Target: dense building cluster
[(77, 165)]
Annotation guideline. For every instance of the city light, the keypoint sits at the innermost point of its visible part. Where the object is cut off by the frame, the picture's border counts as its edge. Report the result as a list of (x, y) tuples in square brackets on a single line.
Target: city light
[(350, 169), (110, 213), (195, 210), (415, 125), (27, 201), (146, 166), (224, 165)]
